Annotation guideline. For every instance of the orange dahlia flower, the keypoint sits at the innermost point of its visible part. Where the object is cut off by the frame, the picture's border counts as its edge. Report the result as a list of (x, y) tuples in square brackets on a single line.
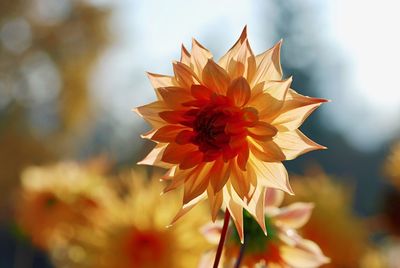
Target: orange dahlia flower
[(223, 128)]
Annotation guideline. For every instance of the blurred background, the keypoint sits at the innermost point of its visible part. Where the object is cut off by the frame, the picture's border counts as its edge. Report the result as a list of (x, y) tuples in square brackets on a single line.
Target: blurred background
[(72, 70)]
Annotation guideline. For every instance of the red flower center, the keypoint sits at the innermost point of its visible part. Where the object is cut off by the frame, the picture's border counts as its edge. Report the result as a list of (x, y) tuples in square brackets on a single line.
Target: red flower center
[(220, 128), (145, 248)]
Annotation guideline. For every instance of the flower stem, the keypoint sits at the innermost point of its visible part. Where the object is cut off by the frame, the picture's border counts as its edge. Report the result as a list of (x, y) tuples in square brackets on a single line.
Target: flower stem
[(222, 238), (241, 254)]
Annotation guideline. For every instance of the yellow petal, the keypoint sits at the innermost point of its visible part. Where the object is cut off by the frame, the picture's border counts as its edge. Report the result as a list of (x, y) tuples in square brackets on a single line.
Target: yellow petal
[(150, 112), (268, 65), (215, 78), (223, 62), (271, 174), (295, 143), (185, 56), (219, 174), (200, 56), (294, 216), (295, 110), (239, 92)]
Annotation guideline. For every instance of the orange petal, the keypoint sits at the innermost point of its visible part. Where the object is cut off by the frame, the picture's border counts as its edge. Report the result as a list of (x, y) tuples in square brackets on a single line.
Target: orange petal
[(267, 151), (196, 184), (150, 113), (262, 131), (159, 80), (256, 207), (184, 75), (184, 137), (243, 156), (199, 58), (201, 92), (223, 62), (271, 174), (154, 157), (173, 117), (175, 153), (185, 56), (174, 97), (177, 181), (295, 110), (219, 174), (269, 98), (167, 133), (239, 91), (187, 207), (246, 62), (191, 160), (215, 200), (295, 215), (240, 183), (215, 78), (268, 65), (236, 211), (295, 143)]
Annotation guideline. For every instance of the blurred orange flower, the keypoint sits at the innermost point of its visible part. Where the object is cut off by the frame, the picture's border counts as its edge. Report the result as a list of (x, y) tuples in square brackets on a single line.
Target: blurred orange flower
[(333, 221), (222, 129), (392, 165), (55, 198), (283, 247), (135, 234)]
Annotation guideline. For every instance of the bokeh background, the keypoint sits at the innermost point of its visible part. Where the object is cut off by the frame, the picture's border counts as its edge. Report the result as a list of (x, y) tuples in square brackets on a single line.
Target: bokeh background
[(72, 70)]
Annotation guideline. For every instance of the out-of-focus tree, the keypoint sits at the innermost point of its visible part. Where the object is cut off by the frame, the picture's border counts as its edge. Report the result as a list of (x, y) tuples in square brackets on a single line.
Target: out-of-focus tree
[(47, 50)]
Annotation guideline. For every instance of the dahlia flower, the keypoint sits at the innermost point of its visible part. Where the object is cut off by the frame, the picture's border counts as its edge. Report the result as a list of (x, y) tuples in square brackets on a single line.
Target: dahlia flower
[(135, 234), (283, 247), (223, 128), (333, 220), (55, 198)]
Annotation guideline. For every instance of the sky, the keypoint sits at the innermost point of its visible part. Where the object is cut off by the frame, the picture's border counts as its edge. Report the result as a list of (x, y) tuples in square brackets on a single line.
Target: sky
[(149, 34)]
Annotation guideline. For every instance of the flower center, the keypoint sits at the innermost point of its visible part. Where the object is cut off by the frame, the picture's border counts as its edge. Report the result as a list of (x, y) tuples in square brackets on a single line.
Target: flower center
[(220, 127), (146, 248)]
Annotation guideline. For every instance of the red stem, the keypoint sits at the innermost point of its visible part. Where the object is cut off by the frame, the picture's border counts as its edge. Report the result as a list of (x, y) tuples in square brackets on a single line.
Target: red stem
[(222, 238)]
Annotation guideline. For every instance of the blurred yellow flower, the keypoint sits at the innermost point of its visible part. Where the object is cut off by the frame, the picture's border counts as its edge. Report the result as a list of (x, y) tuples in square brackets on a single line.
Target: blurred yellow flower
[(135, 234), (56, 198), (392, 165), (333, 224), (223, 128), (282, 247)]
